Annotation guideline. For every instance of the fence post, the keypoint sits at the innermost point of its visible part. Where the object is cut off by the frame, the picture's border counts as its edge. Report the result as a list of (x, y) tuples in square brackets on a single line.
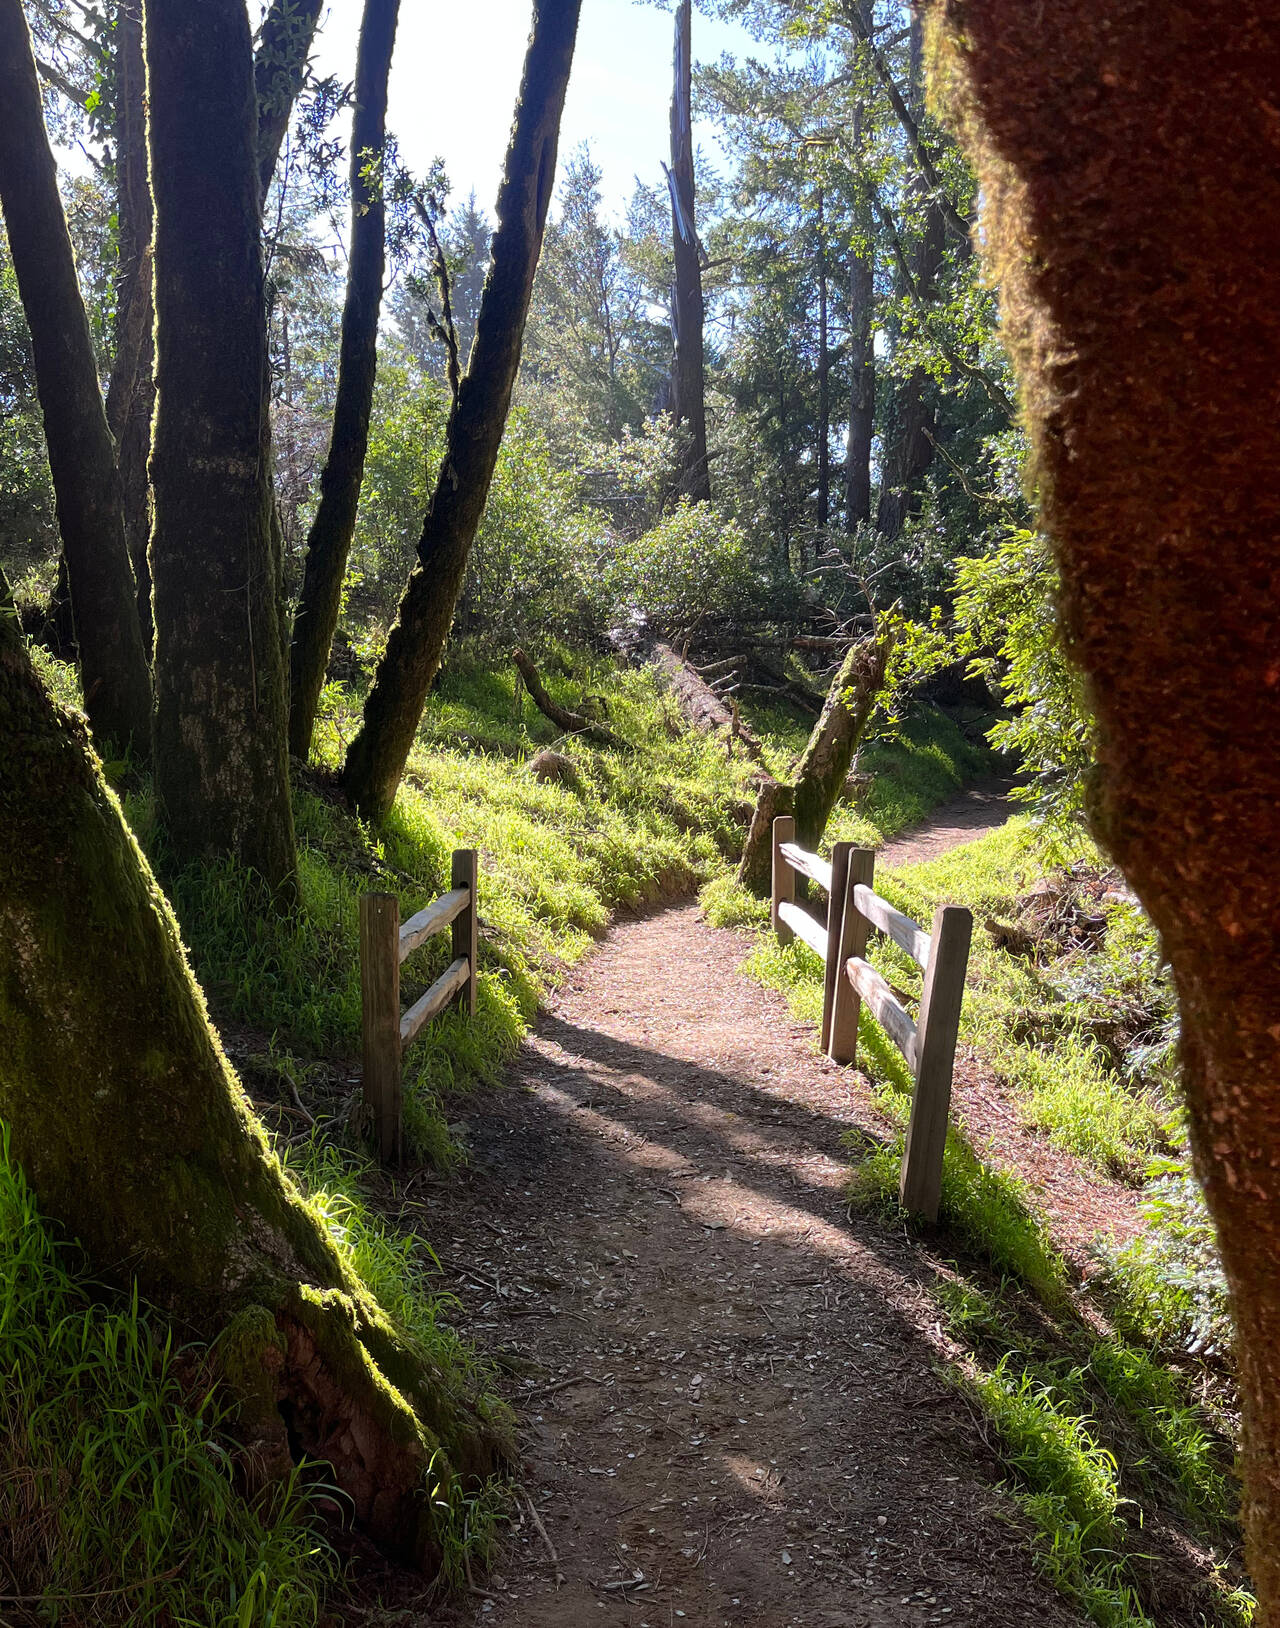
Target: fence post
[(466, 873), (380, 1002), (921, 1187), (784, 878), (842, 1041), (836, 902)]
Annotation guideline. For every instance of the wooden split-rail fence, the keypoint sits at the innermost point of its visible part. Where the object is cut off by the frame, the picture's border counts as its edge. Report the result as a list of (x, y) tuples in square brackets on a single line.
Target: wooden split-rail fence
[(384, 944), (928, 1043)]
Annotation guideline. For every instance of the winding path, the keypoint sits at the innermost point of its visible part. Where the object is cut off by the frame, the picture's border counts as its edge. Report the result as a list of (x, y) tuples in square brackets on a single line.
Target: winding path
[(730, 1391)]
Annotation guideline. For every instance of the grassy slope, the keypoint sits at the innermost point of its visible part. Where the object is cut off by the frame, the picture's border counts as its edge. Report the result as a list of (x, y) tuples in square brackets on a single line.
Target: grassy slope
[(1101, 1432)]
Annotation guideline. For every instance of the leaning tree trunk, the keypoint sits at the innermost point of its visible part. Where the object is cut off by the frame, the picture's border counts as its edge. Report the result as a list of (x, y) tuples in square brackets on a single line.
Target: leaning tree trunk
[(82, 458), (329, 540), (138, 1138), (279, 71), (1132, 196), (393, 709), (688, 385), (222, 766), (131, 393), (823, 768)]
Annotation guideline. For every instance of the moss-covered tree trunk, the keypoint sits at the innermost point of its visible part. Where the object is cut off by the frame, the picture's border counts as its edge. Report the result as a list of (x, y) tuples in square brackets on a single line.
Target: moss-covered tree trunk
[(138, 1138), (82, 459), (222, 768), (393, 709), (688, 384), (824, 764), (329, 540), (1128, 161)]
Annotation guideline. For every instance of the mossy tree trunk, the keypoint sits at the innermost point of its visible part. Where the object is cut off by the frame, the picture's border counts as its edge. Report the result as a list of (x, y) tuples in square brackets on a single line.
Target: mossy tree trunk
[(329, 540), (393, 709), (139, 1140), (82, 460), (222, 768), (688, 384), (1127, 158), (824, 764)]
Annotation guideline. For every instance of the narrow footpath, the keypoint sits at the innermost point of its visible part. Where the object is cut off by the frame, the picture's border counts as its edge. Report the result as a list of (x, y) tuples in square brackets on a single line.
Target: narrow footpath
[(730, 1390)]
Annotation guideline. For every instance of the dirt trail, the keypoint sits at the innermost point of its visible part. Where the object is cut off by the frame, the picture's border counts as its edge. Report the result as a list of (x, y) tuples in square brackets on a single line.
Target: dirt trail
[(729, 1390)]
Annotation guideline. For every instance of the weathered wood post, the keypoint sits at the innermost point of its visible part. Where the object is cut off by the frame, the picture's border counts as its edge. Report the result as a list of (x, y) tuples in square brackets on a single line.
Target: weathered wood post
[(466, 873), (784, 878), (380, 1001), (921, 1187), (841, 1042), (836, 901)]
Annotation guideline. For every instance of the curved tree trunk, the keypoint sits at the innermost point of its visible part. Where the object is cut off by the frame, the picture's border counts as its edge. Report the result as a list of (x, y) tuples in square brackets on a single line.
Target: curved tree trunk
[(222, 767), (329, 540), (688, 385), (138, 1138), (1132, 197), (82, 457), (393, 710)]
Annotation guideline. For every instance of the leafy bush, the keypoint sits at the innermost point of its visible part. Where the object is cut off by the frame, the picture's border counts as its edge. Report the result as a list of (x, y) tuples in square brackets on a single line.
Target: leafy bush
[(692, 563)]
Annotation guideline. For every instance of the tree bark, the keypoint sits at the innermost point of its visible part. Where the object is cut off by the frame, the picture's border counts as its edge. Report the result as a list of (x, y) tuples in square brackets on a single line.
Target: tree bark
[(909, 437), (393, 709), (131, 393), (222, 767), (138, 1138), (82, 460), (279, 71), (862, 373), (1132, 202), (688, 386), (824, 764), (329, 540), (824, 374)]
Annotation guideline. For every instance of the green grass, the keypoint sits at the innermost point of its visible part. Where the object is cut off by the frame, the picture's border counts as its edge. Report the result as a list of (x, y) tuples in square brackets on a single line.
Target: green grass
[(118, 1486)]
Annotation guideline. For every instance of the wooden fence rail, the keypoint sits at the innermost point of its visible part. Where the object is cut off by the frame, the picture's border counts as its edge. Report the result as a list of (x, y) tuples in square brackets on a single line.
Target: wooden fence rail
[(384, 944), (928, 1043)]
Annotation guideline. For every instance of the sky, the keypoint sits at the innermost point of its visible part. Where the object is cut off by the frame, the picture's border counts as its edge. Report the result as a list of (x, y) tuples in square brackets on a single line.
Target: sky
[(456, 71)]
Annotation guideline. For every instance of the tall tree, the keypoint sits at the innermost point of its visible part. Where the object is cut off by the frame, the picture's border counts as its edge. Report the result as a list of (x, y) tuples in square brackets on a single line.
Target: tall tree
[(861, 343), (909, 435), (329, 539), (221, 688), (82, 461), (393, 709), (688, 385), (140, 1141), (1127, 157), (131, 391)]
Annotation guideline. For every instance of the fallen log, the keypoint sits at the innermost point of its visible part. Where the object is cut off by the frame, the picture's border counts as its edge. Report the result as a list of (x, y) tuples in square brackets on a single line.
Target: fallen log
[(573, 723), (699, 702)]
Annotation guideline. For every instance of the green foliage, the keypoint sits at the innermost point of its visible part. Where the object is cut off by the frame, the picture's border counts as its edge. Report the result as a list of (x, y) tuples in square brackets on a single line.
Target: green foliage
[(1005, 608), (693, 563), (119, 1486)]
